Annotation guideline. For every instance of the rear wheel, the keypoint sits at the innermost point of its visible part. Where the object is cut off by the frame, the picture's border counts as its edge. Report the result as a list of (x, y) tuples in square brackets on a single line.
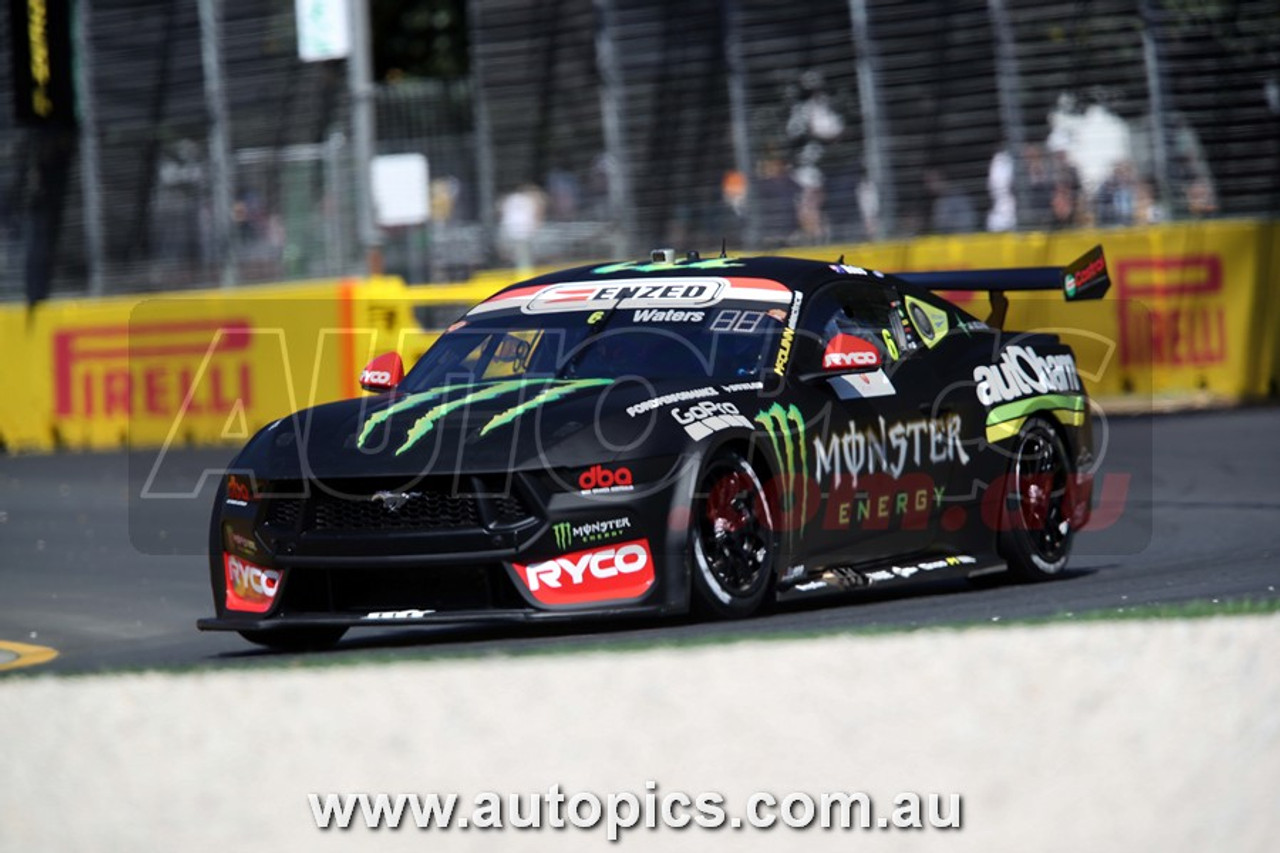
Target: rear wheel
[(1037, 534), (733, 548), (302, 639)]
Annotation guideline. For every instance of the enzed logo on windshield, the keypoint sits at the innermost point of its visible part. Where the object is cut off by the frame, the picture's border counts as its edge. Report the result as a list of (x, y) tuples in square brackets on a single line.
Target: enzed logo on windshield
[(786, 430), (628, 293)]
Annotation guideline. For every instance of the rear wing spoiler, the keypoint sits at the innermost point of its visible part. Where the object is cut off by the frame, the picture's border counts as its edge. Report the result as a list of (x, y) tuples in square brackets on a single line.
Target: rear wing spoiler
[(1084, 278)]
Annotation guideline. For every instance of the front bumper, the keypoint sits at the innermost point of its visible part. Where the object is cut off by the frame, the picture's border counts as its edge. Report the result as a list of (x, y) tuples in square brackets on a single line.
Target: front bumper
[(488, 572)]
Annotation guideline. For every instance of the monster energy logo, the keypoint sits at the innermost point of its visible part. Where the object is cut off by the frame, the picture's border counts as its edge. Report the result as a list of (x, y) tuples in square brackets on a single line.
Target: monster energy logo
[(786, 430), (427, 422), (568, 534)]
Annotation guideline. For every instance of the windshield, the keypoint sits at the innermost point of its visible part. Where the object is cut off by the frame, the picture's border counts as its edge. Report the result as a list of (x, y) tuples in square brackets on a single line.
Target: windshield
[(727, 341)]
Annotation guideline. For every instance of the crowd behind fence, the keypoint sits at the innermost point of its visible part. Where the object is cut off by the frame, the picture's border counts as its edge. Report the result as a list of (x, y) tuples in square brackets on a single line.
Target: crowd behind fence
[(601, 128)]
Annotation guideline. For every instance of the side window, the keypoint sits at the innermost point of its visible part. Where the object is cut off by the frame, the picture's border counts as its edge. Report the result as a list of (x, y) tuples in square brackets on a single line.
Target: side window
[(866, 309)]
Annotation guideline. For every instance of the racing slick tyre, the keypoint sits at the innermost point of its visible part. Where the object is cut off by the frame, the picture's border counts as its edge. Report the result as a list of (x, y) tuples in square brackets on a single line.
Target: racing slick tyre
[(1036, 535), (733, 549), (304, 639)]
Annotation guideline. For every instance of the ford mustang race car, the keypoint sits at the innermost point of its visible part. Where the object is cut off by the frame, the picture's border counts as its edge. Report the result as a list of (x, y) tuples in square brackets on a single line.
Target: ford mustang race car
[(662, 436)]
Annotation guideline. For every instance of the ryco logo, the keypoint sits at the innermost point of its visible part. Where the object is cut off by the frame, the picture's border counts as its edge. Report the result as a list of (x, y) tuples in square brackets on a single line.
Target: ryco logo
[(849, 359), (375, 377), (846, 351), (623, 571), (250, 588), (597, 478)]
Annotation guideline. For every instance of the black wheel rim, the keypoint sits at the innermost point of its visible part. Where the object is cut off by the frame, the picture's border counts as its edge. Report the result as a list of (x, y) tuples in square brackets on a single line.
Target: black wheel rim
[(1041, 487), (733, 534)]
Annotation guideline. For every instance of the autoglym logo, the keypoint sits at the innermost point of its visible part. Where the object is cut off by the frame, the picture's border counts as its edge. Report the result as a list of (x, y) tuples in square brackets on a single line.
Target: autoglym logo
[(1023, 372), (786, 430), (615, 573), (250, 587)]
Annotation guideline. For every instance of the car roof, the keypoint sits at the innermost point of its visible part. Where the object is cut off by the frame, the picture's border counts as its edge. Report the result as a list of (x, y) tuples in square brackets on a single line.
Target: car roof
[(802, 274)]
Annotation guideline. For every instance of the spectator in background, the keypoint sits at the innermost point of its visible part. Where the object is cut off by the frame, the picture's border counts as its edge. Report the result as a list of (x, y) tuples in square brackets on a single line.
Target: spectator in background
[(1064, 202), (733, 211), (520, 216), (776, 196), (1192, 187), (1003, 215), (812, 124), (951, 211), (562, 195), (1039, 192), (1116, 201)]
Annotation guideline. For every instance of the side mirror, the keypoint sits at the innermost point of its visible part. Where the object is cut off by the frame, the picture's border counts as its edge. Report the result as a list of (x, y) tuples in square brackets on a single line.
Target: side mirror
[(850, 354), (383, 373)]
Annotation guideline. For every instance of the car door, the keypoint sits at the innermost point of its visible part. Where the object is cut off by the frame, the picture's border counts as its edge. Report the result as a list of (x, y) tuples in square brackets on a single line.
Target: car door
[(881, 448)]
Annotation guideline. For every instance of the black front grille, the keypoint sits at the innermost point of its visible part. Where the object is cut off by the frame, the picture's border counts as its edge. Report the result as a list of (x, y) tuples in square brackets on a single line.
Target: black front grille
[(284, 512), (373, 505), (413, 509), (510, 509), (442, 589)]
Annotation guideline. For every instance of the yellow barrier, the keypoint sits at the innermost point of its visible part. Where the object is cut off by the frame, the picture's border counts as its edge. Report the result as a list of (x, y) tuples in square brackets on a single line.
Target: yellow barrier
[(1192, 309), (205, 367)]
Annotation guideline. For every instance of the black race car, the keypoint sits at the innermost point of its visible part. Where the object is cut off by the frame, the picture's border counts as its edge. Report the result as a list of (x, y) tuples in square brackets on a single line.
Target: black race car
[(659, 436)]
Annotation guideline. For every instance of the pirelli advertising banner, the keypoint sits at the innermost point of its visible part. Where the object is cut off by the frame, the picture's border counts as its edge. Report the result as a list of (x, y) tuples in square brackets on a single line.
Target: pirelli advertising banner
[(1191, 309), (204, 368)]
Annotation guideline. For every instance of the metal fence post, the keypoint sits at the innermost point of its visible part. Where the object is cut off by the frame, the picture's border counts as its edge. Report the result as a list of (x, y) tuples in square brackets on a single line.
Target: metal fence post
[(874, 131), (1009, 92), (90, 176), (363, 133), (612, 99), (486, 192), (221, 174), (737, 81), (1150, 16)]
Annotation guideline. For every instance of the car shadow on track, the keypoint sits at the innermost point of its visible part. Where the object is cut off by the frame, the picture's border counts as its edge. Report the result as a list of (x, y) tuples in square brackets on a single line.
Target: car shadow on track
[(932, 603)]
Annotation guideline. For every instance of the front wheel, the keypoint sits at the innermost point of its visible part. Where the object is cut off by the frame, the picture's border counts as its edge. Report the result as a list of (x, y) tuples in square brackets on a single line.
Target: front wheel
[(302, 639), (732, 544), (1036, 536)]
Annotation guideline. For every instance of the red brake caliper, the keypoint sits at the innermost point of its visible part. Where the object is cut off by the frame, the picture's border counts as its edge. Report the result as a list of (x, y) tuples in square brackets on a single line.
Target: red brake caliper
[(722, 511)]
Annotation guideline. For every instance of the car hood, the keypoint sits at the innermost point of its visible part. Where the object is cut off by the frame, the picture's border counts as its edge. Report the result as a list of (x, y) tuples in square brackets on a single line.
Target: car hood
[(475, 428)]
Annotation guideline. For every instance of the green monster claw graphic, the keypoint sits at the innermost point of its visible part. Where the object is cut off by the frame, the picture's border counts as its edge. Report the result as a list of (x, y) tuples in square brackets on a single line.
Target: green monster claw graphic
[(407, 403), (427, 422), (786, 430), (545, 396), (564, 535)]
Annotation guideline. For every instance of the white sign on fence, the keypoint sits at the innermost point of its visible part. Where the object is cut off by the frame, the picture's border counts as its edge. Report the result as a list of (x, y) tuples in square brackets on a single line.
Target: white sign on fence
[(324, 29)]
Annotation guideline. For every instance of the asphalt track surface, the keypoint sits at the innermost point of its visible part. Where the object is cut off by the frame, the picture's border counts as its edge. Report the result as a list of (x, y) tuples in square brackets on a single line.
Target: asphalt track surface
[(113, 583)]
